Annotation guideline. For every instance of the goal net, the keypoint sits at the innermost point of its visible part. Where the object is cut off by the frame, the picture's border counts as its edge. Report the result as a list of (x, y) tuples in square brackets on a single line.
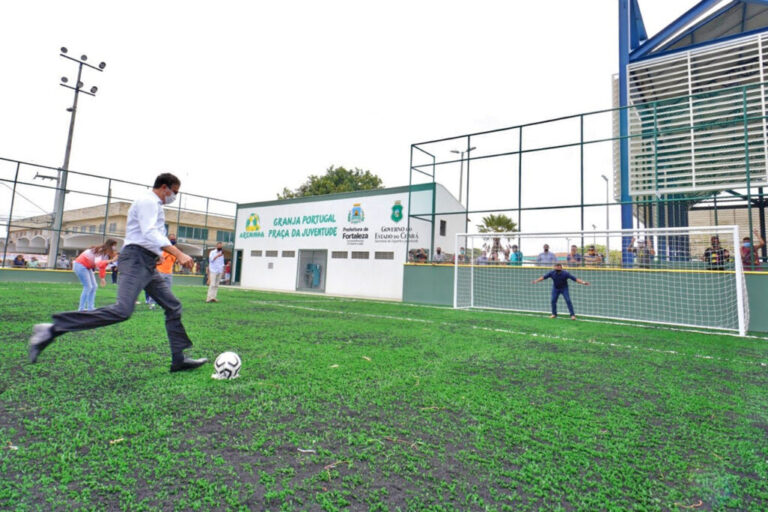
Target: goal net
[(690, 276)]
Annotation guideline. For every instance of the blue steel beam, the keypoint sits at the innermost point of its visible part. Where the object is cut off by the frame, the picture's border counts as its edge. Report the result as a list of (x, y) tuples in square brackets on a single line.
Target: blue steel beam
[(639, 35), (670, 30), (626, 25)]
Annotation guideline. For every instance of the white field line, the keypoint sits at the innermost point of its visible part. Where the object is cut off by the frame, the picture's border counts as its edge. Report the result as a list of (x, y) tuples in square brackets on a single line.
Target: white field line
[(533, 314), (506, 331)]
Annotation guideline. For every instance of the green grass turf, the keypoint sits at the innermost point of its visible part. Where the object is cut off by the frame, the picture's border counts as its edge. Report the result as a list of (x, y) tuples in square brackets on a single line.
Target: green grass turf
[(402, 407)]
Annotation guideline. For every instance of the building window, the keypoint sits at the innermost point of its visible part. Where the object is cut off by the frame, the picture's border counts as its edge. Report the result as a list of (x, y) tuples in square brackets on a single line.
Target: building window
[(112, 227), (360, 255), (271, 254), (226, 237), (92, 228), (339, 255), (289, 254), (193, 233), (443, 226), (389, 255), (256, 254), (101, 228)]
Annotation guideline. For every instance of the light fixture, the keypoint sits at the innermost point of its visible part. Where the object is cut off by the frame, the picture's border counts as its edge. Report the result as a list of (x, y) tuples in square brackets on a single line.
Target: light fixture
[(102, 65), (94, 89), (63, 49), (83, 58), (64, 79), (79, 85)]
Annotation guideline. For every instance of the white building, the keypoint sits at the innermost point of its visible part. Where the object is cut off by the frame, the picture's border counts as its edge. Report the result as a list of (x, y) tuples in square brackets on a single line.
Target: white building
[(352, 244)]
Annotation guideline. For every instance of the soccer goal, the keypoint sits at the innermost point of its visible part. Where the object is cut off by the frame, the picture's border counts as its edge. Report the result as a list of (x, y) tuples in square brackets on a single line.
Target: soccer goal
[(690, 276)]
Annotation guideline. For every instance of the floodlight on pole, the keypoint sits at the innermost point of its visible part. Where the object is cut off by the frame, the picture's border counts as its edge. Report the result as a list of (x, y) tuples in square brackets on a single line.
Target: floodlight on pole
[(61, 185), (461, 166)]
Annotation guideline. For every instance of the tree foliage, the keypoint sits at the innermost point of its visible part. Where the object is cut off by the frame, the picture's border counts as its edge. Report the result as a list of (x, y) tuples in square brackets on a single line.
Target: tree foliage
[(497, 224), (335, 179)]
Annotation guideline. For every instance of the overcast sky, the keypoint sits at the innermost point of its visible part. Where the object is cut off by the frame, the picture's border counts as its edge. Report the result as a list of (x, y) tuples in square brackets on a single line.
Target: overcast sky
[(243, 98)]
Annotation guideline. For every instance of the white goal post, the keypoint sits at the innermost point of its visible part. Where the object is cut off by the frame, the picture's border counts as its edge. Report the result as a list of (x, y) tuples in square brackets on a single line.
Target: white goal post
[(689, 276)]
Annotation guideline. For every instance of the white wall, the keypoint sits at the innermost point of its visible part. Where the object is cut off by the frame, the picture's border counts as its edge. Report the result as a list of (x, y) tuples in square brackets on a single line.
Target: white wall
[(329, 225)]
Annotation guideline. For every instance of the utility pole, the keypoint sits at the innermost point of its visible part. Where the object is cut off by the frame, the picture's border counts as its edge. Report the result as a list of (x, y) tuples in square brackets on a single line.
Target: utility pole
[(61, 183)]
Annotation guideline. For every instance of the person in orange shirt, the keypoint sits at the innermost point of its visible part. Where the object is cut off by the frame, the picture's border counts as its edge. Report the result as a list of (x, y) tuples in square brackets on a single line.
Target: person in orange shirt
[(165, 268), (96, 257)]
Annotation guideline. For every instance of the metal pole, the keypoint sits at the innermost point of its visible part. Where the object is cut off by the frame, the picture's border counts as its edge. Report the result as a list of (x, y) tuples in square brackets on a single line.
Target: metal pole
[(466, 222), (106, 210), (607, 219), (61, 188), (762, 220), (520, 188), (461, 176), (749, 185), (408, 224), (10, 213)]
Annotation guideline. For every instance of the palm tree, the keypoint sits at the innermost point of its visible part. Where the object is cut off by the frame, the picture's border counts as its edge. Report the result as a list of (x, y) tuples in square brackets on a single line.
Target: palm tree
[(497, 224)]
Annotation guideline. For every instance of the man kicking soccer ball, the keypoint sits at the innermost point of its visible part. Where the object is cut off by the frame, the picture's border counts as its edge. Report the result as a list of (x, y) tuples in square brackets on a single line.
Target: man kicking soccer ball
[(560, 279), (145, 241)]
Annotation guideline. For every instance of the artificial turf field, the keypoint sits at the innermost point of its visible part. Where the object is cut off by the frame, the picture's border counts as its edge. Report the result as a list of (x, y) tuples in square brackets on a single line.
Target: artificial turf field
[(362, 405)]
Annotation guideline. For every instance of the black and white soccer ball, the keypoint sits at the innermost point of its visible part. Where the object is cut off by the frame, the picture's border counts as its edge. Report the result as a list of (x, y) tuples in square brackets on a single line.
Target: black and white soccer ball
[(227, 366)]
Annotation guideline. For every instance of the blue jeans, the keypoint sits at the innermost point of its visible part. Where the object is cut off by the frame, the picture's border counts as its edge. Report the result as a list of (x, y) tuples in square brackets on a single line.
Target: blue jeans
[(564, 292), (137, 272), (90, 286), (168, 279)]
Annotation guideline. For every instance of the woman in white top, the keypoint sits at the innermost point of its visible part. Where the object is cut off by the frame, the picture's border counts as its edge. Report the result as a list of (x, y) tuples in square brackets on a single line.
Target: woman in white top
[(96, 257)]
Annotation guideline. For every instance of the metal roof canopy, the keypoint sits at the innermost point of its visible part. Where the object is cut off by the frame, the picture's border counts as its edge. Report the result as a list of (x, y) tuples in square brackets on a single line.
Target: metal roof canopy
[(706, 22)]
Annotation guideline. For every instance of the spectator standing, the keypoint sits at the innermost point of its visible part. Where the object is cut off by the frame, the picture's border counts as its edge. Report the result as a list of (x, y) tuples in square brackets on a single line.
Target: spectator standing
[(62, 262), (165, 269), (19, 261), (114, 271), (227, 271), (515, 256), (574, 258), (560, 279), (144, 241), (546, 257), (643, 252), (482, 259), (215, 271), (715, 256), (439, 257), (462, 255), (93, 258), (592, 258), (750, 256)]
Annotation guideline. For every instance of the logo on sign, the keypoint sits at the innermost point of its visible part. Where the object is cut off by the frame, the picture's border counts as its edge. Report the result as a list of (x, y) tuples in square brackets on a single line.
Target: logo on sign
[(252, 224), (356, 214), (397, 212)]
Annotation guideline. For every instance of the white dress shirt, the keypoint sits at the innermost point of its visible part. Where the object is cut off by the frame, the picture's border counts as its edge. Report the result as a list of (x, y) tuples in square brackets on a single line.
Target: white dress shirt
[(146, 224), (215, 266)]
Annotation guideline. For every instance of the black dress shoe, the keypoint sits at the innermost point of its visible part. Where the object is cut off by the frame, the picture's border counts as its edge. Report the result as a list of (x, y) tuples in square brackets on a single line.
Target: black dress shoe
[(188, 364), (42, 336)]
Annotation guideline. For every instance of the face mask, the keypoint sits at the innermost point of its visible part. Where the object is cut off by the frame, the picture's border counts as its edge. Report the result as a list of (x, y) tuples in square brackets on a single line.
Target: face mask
[(747, 244), (173, 242), (462, 252), (171, 198)]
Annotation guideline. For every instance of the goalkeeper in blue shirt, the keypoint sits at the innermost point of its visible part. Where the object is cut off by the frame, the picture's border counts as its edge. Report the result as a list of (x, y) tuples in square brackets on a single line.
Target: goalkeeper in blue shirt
[(560, 279)]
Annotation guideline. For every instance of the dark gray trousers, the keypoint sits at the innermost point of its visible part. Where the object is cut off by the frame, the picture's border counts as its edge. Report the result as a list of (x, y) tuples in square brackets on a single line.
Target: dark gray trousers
[(137, 272)]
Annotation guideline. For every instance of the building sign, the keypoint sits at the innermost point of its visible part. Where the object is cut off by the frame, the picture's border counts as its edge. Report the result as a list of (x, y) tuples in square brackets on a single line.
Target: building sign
[(339, 224), (252, 227), (356, 214), (397, 212)]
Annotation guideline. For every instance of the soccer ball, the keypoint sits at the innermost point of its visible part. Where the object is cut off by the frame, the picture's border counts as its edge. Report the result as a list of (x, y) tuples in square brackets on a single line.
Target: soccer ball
[(227, 366)]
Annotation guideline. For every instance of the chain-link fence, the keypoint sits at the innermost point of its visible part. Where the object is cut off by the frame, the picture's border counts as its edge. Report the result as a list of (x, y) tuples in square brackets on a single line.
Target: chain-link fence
[(94, 208)]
